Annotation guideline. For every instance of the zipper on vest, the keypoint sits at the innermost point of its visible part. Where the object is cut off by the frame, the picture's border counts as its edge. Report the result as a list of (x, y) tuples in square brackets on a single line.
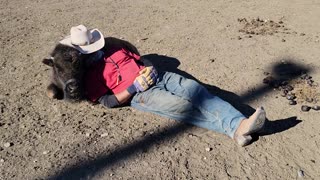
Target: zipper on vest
[(119, 78)]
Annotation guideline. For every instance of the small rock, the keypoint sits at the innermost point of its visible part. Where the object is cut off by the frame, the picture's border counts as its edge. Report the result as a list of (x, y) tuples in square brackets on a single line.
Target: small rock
[(239, 38), (305, 108), (316, 107), (288, 88), (268, 80), (303, 76), (45, 152), (309, 100), (6, 145), (87, 134), (104, 135), (1, 160), (291, 97), (208, 149), (302, 34), (283, 40), (111, 174), (266, 73), (310, 82), (300, 173), (284, 93), (291, 93), (292, 102)]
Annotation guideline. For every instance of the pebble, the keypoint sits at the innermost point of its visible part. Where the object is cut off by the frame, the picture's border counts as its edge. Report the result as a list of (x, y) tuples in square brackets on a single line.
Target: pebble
[(268, 80), (291, 93), (208, 149), (316, 107), (291, 97), (1, 160), (309, 100), (6, 145), (304, 76), (292, 102), (45, 152), (305, 108), (104, 135), (310, 82), (300, 173), (289, 88), (266, 73), (284, 93), (87, 134)]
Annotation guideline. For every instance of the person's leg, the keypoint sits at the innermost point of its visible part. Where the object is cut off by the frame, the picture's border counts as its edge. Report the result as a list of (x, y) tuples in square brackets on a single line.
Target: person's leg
[(214, 108), (183, 99)]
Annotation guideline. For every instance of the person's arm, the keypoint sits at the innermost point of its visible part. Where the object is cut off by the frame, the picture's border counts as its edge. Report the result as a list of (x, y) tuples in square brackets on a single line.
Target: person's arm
[(114, 100), (139, 85), (146, 79), (123, 96)]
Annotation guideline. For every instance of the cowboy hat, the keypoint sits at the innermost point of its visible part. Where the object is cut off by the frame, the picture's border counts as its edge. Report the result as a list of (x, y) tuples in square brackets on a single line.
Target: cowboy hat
[(84, 40)]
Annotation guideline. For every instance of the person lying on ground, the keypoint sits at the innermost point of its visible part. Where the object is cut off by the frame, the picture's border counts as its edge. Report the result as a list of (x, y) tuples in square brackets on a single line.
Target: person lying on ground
[(115, 76)]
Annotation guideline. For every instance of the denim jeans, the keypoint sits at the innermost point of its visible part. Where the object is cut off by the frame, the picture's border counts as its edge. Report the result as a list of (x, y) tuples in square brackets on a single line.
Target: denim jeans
[(179, 98)]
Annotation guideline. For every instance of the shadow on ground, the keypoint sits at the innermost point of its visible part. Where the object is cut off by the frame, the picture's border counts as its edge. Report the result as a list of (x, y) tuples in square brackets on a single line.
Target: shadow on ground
[(281, 71)]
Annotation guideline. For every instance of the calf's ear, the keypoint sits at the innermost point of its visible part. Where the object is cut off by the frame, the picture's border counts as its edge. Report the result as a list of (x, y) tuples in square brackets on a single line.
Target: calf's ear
[(48, 61)]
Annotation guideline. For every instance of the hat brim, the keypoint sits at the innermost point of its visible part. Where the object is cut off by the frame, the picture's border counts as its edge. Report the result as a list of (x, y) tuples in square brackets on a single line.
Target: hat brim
[(98, 42)]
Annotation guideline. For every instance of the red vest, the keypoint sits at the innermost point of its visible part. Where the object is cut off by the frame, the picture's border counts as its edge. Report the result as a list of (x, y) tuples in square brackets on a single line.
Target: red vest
[(116, 73)]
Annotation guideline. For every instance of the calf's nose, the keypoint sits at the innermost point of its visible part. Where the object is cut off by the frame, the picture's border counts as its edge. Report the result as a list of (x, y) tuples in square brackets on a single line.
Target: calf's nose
[(72, 85)]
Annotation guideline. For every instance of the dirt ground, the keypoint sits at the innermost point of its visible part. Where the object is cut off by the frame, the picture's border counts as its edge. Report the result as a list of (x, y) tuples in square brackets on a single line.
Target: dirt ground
[(227, 44)]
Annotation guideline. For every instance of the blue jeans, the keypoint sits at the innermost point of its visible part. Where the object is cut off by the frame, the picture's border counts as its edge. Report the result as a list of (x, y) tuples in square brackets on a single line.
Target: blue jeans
[(179, 98)]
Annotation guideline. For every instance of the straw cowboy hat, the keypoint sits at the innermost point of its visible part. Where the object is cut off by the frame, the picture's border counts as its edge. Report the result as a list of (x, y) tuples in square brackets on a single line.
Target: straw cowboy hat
[(84, 40)]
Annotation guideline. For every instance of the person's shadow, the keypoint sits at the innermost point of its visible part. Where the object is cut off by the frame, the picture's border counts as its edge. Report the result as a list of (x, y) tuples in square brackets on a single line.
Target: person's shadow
[(282, 72)]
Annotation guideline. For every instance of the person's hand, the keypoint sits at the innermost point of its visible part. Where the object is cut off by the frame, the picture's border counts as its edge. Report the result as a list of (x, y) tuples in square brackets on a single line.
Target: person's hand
[(141, 84), (150, 75)]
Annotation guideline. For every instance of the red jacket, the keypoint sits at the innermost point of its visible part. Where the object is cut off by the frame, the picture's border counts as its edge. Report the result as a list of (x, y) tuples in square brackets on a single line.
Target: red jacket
[(113, 75)]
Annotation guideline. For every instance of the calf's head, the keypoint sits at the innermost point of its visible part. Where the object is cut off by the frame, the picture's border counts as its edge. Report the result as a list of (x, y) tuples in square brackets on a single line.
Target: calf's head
[(68, 68)]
